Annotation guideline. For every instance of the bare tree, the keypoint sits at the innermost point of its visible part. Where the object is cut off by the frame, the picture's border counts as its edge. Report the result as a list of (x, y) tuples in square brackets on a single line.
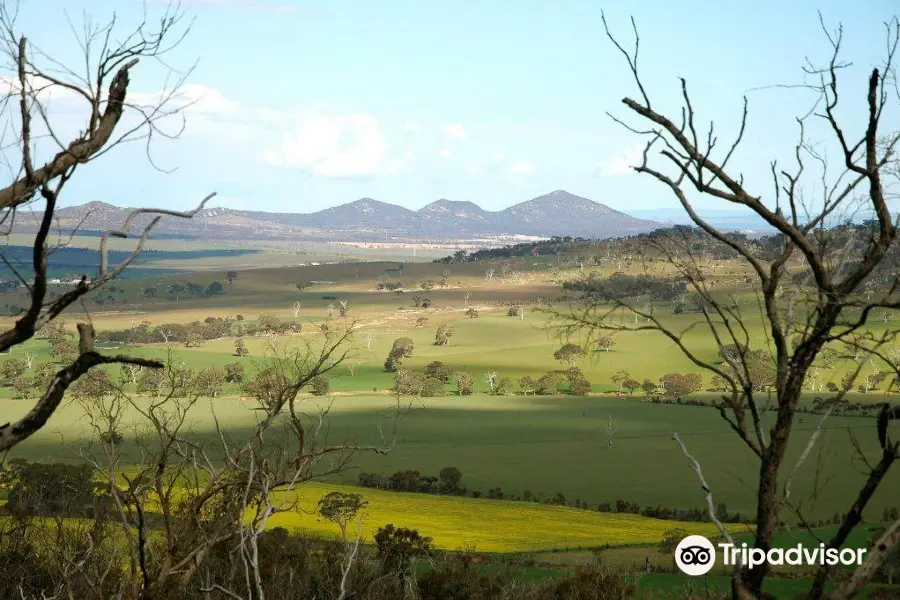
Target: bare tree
[(41, 163), (491, 378), (200, 496), (297, 306), (827, 269), (609, 430)]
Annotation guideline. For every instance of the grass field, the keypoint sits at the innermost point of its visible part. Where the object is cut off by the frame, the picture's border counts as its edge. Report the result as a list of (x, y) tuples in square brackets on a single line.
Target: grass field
[(482, 525), (545, 445)]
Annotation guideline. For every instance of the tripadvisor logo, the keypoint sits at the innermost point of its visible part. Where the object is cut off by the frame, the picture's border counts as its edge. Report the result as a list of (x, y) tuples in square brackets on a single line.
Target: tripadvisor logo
[(695, 555)]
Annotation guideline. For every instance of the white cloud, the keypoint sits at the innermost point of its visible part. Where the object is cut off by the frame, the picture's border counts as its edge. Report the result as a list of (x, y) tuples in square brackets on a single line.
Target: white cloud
[(489, 166), (455, 131), (521, 167), (335, 145), (318, 141), (623, 163), (446, 153), (412, 127)]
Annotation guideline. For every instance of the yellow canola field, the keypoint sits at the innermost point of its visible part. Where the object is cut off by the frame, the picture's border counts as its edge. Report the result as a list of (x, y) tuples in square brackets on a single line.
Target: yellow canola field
[(482, 525)]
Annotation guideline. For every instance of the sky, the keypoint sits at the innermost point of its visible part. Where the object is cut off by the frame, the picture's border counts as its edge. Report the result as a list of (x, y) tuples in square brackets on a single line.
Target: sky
[(298, 105)]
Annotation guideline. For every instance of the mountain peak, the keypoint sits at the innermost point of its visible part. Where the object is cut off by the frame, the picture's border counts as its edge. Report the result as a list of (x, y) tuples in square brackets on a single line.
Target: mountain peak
[(555, 213), (95, 205)]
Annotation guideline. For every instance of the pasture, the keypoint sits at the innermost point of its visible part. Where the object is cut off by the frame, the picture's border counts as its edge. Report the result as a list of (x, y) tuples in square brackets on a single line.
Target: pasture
[(546, 445), (540, 446)]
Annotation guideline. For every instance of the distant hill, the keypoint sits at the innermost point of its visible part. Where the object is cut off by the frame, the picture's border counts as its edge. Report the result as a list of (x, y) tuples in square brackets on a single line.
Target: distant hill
[(558, 213)]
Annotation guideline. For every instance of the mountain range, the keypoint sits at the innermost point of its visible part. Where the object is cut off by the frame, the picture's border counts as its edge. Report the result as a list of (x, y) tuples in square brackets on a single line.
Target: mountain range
[(558, 213)]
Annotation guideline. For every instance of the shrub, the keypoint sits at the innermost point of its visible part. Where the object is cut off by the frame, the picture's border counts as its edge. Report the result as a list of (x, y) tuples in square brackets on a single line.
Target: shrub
[(234, 372), (678, 384), (548, 384), (402, 348), (398, 547), (464, 383), (579, 387), (320, 385), (438, 370), (442, 335), (432, 386), (49, 489), (209, 381), (10, 369), (408, 383)]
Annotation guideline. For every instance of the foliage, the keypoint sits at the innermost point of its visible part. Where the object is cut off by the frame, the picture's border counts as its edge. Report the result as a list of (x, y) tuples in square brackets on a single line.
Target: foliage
[(442, 335), (208, 381), (341, 508), (398, 547), (464, 383), (569, 354), (320, 385), (680, 384), (548, 384), (438, 370), (234, 372), (34, 488), (10, 369), (401, 348)]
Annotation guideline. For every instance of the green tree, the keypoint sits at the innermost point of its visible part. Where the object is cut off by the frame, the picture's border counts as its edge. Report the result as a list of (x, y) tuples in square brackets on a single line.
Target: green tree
[(464, 383), (209, 381), (35, 488), (341, 509), (569, 354), (670, 541), (10, 369), (438, 370), (320, 385), (398, 547), (442, 335), (527, 384), (450, 478), (214, 289), (548, 384), (407, 382), (234, 372), (401, 348), (678, 384), (240, 348)]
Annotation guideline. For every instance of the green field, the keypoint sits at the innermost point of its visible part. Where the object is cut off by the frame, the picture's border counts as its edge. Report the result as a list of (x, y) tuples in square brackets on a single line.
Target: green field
[(543, 444), (534, 445)]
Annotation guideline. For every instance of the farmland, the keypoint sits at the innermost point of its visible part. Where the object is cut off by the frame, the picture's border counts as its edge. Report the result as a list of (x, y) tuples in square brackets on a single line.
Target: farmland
[(549, 454)]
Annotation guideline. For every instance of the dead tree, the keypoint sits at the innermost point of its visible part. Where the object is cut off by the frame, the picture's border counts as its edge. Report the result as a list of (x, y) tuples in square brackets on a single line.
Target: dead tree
[(609, 430), (204, 497), (40, 164), (827, 267)]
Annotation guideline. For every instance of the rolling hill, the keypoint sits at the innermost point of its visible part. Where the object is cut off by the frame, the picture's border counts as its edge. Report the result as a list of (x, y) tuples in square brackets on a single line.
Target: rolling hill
[(558, 213)]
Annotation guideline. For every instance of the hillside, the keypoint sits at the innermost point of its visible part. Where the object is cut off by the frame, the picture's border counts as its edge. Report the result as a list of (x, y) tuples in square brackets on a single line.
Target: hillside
[(558, 213)]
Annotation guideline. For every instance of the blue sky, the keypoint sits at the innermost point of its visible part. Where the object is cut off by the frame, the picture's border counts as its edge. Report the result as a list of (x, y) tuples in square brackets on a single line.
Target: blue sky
[(301, 105)]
